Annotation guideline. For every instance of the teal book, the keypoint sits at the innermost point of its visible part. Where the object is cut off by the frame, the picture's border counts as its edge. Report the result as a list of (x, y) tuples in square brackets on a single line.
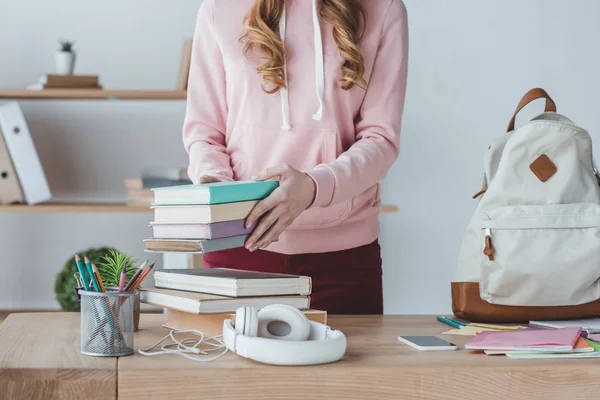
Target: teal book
[(213, 193)]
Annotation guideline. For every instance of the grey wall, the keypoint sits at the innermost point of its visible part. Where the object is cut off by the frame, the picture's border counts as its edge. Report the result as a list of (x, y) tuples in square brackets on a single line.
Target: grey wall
[(470, 62)]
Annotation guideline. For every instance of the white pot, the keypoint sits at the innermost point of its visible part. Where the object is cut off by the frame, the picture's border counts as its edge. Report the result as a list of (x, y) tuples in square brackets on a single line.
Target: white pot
[(65, 62)]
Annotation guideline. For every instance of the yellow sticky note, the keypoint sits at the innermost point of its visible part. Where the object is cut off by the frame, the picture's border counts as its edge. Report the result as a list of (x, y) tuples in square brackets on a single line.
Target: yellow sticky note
[(467, 331), (497, 327)]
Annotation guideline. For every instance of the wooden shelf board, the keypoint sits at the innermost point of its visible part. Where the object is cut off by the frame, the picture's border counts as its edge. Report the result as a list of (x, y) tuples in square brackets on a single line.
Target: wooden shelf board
[(102, 208), (91, 94), (74, 208)]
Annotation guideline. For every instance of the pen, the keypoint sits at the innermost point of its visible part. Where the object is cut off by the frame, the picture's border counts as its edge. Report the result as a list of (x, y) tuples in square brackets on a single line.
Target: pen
[(451, 322), (82, 272)]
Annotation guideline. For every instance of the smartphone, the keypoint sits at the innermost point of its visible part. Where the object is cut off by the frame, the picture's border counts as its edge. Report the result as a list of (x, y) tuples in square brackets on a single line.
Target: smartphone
[(427, 343)]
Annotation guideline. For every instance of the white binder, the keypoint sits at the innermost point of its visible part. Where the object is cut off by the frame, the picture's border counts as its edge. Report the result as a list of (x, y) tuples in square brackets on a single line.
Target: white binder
[(24, 155)]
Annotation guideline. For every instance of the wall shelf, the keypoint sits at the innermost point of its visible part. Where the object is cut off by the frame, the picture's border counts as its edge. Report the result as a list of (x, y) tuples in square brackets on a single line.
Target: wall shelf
[(91, 94), (102, 208)]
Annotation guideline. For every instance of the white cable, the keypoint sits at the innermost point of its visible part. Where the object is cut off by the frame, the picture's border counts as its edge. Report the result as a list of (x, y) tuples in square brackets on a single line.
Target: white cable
[(188, 346)]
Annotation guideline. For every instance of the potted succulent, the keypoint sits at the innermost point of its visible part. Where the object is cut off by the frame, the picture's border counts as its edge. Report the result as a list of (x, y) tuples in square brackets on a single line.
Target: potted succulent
[(110, 268), (65, 58)]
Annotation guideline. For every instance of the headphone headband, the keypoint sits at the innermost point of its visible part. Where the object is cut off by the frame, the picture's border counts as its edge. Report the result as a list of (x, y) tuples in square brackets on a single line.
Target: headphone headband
[(323, 346)]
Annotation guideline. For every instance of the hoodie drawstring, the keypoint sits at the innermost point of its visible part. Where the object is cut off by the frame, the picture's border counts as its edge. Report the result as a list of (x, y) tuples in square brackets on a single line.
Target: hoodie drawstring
[(319, 69)]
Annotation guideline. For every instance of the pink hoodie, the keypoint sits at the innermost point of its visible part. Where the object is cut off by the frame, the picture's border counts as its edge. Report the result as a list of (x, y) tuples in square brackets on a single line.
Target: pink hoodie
[(346, 140)]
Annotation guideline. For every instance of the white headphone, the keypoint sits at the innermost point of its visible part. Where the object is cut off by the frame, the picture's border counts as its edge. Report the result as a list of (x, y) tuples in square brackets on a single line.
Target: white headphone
[(282, 335)]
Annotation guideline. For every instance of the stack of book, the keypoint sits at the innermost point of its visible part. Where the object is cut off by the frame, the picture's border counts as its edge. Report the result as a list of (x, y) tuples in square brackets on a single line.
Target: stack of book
[(204, 218), (50, 81), (202, 298), (139, 190), (536, 343)]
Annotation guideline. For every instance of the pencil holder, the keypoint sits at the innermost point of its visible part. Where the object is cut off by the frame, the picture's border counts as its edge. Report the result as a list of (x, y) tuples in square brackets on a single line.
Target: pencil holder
[(107, 323)]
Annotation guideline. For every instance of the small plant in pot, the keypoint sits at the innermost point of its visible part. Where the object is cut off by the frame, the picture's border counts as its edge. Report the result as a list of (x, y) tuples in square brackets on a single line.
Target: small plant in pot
[(65, 58), (110, 269)]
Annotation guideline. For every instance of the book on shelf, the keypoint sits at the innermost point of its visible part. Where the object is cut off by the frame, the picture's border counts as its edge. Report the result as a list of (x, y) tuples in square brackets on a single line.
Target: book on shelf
[(23, 155), (139, 197), (200, 231), (203, 214), (232, 282), (214, 193), (194, 245), (172, 174), (212, 324), (203, 303), (185, 64), (52, 81), (151, 183)]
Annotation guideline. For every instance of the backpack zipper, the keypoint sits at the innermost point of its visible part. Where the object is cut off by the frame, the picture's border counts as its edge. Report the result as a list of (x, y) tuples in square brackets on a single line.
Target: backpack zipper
[(489, 250)]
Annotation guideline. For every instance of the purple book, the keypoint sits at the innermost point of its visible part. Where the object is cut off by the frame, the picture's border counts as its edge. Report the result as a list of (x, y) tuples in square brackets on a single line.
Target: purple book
[(200, 231)]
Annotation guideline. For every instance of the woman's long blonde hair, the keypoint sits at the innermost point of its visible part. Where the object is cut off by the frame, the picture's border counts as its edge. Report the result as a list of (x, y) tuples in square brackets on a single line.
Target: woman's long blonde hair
[(348, 18)]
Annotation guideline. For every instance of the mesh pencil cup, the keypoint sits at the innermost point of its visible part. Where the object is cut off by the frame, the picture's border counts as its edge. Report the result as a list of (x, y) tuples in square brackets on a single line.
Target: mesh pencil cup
[(107, 323)]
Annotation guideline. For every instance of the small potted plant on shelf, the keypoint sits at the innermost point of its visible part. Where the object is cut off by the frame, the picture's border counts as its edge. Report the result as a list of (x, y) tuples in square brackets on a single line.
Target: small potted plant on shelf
[(110, 269), (65, 58)]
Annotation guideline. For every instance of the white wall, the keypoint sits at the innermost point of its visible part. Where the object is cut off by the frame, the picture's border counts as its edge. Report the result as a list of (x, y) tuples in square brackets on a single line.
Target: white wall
[(470, 62)]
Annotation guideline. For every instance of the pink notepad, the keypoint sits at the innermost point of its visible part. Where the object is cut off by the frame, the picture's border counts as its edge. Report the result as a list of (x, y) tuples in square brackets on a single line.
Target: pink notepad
[(530, 340)]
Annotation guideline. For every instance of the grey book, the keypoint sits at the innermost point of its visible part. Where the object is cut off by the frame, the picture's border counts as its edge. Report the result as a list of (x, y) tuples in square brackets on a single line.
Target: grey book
[(194, 246)]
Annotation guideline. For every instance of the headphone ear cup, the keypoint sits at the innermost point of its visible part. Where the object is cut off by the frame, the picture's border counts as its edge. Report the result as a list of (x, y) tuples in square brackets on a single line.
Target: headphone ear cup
[(251, 326), (240, 320), (283, 322)]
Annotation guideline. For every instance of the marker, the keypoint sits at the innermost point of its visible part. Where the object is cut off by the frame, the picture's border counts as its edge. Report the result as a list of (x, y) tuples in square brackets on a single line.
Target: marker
[(451, 322), (82, 272)]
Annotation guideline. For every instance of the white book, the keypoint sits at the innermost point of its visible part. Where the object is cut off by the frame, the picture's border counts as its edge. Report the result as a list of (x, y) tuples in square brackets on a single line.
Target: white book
[(592, 325), (24, 155), (200, 303)]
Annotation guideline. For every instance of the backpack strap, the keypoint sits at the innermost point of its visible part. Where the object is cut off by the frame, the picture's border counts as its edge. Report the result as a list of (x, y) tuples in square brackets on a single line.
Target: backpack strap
[(530, 96)]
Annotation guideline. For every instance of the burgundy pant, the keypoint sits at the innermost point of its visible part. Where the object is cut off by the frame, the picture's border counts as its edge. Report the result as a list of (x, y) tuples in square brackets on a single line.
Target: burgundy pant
[(344, 282)]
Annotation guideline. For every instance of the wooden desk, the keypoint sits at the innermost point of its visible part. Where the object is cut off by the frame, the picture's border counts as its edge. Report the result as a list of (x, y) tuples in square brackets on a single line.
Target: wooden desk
[(40, 360), (375, 366)]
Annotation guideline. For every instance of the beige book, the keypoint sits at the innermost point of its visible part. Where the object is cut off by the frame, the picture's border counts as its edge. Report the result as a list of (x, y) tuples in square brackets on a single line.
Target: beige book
[(133, 184), (10, 188), (203, 214), (212, 324), (185, 64)]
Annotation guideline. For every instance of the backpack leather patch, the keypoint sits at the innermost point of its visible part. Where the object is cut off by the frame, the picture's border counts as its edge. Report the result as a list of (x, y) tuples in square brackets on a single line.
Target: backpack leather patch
[(543, 168)]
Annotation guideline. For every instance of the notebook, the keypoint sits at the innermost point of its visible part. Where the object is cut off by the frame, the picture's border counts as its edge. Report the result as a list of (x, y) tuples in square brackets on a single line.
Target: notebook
[(203, 214), (201, 303), (200, 231), (591, 325), (214, 193), (582, 346), (527, 340), (594, 354), (231, 282), (195, 246)]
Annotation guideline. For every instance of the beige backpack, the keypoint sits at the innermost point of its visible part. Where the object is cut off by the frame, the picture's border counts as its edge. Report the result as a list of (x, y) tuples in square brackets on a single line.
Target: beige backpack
[(532, 249)]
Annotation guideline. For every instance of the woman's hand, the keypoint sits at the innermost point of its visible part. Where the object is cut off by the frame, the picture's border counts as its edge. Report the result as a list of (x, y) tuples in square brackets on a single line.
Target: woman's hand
[(295, 193), (208, 179)]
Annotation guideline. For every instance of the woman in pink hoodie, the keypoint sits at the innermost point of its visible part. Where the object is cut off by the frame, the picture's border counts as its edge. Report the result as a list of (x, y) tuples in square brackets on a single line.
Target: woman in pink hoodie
[(309, 92)]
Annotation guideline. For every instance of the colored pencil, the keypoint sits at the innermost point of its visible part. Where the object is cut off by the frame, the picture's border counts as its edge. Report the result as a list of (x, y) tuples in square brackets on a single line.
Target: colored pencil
[(82, 272), (451, 322), (142, 277), (98, 277), (135, 276), (88, 265), (123, 278)]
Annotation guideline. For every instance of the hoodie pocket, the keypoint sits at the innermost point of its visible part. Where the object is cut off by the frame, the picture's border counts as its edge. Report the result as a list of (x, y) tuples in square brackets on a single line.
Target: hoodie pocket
[(304, 147), (544, 255)]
